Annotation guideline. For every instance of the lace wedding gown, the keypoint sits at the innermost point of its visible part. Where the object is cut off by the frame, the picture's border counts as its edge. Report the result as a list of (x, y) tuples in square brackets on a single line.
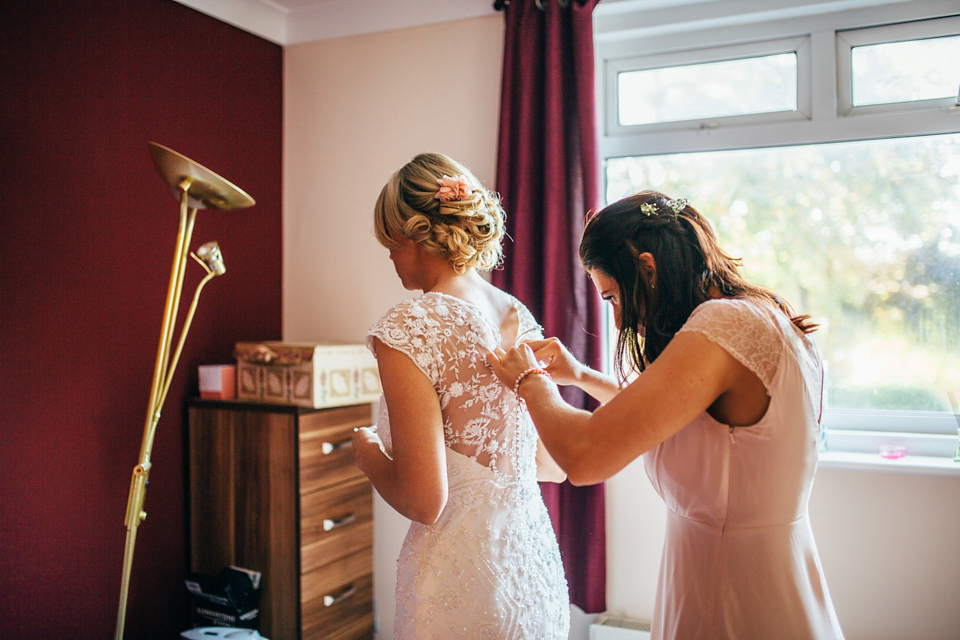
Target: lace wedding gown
[(489, 568), (739, 560)]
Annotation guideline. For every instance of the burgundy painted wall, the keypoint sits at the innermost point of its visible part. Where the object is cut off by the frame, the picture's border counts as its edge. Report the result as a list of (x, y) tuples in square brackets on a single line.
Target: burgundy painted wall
[(86, 243)]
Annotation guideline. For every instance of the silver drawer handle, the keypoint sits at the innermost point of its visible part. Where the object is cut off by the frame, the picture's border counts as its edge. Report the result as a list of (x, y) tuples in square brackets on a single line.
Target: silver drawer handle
[(332, 523), (330, 447), (329, 601)]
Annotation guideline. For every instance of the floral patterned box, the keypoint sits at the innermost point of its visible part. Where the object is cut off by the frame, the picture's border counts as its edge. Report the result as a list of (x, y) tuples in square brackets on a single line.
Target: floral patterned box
[(306, 374)]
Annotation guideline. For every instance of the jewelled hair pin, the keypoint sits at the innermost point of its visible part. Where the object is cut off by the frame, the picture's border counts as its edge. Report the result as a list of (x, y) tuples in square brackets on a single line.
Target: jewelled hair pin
[(678, 205), (675, 206)]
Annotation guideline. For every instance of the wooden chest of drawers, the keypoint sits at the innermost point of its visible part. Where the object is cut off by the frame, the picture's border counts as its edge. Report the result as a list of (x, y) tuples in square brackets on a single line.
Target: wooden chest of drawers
[(273, 488)]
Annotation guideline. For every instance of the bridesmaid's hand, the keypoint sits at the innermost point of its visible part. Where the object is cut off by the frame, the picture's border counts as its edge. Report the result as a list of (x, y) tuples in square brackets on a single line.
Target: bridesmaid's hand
[(553, 356), (508, 365)]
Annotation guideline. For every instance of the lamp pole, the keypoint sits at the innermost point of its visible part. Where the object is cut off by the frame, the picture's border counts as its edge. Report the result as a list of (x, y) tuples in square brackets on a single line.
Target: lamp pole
[(196, 187)]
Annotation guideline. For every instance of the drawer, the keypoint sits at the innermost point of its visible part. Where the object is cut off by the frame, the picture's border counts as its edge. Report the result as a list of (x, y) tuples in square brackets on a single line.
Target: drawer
[(335, 522), (337, 596), (360, 629), (326, 452)]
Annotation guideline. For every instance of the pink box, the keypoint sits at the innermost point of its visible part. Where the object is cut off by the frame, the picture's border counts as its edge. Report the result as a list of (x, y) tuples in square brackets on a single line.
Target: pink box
[(218, 381)]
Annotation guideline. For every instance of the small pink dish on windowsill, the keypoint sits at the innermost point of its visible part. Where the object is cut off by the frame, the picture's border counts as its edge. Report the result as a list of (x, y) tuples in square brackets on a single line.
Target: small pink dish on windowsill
[(892, 451)]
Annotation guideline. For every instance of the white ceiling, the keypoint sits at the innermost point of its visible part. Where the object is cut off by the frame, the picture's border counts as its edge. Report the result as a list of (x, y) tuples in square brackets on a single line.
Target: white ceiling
[(297, 21), (289, 22)]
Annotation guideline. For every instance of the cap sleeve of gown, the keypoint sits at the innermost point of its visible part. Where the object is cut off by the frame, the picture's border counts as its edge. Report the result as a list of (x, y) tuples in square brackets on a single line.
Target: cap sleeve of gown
[(745, 330), (411, 327)]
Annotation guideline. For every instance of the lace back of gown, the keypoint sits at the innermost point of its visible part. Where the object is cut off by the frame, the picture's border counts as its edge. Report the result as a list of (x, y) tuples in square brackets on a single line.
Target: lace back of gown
[(490, 566)]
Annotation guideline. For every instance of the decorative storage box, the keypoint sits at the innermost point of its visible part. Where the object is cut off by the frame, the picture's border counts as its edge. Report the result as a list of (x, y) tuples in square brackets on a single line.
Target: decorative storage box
[(306, 374)]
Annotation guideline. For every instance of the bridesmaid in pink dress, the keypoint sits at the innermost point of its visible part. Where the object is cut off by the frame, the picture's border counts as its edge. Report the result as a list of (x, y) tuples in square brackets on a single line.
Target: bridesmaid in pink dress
[(725, 411)]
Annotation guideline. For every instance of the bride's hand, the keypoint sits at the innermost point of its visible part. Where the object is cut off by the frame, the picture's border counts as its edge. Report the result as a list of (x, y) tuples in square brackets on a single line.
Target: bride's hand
[(508, 365), (364, 438)]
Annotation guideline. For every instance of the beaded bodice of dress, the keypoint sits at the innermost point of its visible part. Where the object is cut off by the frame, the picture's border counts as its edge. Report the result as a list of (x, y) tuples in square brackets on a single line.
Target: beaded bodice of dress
[(490, 566), (448, 338)]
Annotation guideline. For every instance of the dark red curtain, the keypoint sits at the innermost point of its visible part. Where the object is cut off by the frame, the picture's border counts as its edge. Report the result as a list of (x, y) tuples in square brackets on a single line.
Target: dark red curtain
[(548, 175)]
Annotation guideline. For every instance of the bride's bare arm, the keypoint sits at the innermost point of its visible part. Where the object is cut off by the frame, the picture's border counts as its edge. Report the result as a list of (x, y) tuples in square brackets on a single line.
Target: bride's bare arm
[(414, 481)]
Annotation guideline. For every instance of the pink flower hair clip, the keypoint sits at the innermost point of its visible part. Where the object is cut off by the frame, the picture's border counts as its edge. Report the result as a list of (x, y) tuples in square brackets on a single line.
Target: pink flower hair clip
[(453, 188)]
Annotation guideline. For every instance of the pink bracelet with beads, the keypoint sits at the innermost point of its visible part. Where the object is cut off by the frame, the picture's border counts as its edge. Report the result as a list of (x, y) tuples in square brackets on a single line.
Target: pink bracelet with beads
[(531, 370)]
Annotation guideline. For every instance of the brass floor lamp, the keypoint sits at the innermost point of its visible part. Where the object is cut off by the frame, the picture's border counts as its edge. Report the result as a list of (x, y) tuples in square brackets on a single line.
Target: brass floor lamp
[(196, 187)]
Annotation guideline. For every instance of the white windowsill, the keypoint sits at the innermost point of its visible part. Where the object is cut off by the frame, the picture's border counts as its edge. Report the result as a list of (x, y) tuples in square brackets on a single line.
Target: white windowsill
[(920, 465)]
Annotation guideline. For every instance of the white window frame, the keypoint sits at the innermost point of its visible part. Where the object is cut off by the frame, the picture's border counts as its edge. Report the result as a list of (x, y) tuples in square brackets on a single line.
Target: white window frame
[(797, 46), (639, 34), (847, 40)]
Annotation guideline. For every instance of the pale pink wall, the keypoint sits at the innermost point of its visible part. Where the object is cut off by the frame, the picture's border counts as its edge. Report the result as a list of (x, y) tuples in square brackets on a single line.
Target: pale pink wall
[(356, 109)]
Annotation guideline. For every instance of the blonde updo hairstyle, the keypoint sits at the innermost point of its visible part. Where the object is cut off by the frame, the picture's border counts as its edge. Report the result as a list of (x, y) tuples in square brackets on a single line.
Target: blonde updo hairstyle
[(466, 232)]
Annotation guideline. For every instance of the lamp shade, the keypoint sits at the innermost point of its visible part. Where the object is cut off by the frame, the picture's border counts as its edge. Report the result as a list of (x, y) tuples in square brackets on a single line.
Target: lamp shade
[(205, 189)]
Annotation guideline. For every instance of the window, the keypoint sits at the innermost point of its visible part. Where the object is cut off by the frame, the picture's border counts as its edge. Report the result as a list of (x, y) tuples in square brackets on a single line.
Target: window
[(905, 71), (744, 82), (871, 249), (763, 84), (826, 151), (899, 67)]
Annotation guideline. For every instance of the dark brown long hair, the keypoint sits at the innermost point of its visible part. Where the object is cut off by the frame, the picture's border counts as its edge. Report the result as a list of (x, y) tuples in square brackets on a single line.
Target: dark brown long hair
[(690, 267)]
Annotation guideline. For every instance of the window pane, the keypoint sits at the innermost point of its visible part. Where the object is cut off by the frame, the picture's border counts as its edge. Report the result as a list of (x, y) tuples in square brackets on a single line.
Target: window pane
[(906, 71), (712, 90), (865, 236)]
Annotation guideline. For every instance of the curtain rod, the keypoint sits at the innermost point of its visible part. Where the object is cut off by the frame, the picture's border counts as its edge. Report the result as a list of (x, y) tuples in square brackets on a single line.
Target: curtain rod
[(499, 5)]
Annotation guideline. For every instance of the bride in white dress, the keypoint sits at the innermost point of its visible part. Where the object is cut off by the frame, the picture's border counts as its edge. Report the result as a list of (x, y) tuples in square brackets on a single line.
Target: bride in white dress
[(453, 451)]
